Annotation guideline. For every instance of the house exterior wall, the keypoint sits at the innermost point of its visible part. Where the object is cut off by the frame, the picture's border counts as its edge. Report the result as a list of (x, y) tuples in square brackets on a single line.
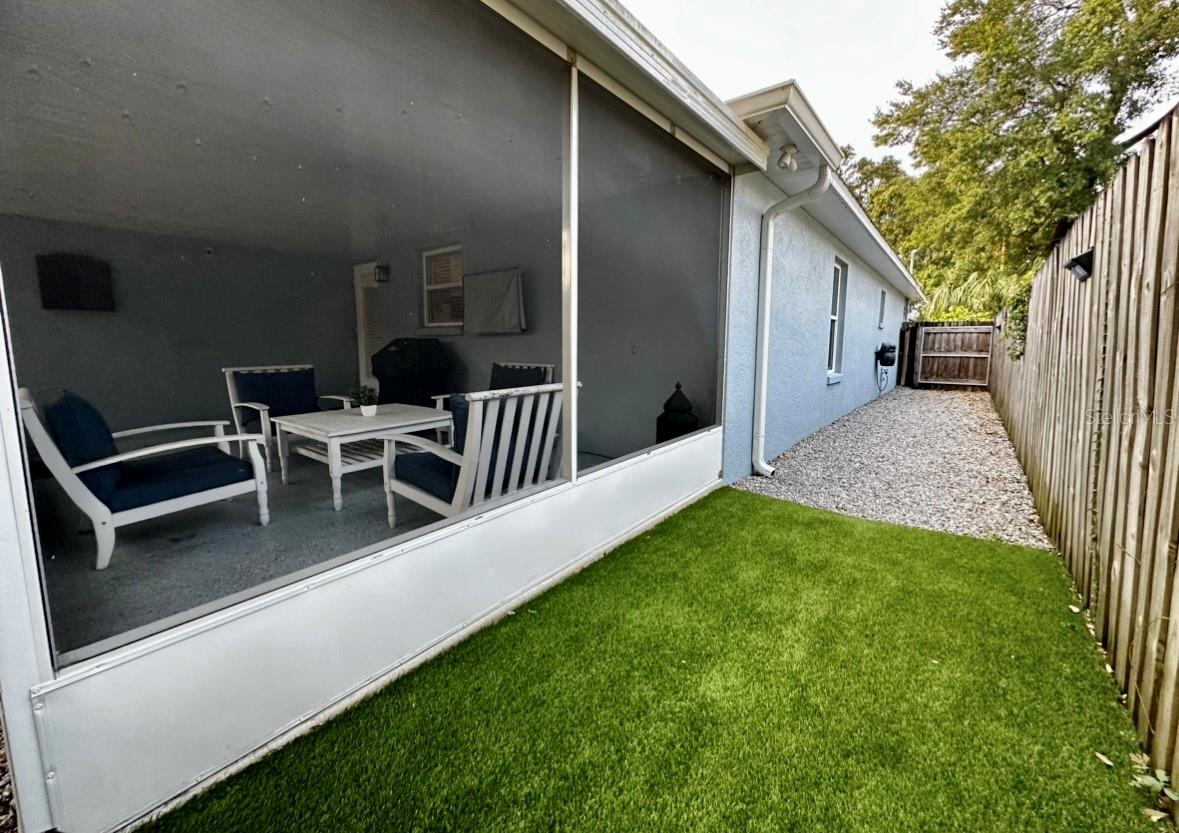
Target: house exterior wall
[(799, 399)]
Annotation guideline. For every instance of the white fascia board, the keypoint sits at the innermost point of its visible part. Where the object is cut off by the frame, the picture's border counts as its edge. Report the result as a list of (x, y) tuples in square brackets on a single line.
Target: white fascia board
[(896, 273), (623, 30), (613, 39), (789, 97)]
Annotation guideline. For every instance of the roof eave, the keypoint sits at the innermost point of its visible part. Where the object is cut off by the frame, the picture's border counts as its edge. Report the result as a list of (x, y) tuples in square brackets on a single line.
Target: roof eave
[(901, 278), (788, 96), (609, 36)]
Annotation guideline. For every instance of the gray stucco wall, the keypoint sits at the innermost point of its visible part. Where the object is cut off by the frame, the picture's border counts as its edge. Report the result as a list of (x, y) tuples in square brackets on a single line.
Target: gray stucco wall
[(800, 400), (185, 308)]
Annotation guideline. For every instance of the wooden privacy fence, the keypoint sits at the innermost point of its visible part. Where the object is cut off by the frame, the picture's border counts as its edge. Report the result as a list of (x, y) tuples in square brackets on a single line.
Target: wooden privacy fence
[(1090, 409), (953, 354)]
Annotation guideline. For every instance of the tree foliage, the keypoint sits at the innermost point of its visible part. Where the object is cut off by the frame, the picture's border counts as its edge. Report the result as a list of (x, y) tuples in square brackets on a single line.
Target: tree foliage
[(1011, 143)]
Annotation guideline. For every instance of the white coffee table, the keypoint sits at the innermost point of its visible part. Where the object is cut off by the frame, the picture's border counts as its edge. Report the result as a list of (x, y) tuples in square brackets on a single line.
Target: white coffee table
[(345, 441)]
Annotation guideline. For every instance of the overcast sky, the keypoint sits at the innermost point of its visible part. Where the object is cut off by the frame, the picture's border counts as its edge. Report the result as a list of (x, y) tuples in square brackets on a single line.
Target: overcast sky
[(846, 55)]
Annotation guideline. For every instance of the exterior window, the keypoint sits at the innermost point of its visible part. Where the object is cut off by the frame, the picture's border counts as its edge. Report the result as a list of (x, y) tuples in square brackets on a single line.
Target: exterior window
[(880, 317), (442, 287), (835, 326)]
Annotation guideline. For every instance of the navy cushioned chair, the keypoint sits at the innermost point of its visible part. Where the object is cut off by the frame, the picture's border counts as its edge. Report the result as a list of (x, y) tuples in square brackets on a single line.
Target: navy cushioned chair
[(504, 376), (114, 489), (258, 393), (503, 442)]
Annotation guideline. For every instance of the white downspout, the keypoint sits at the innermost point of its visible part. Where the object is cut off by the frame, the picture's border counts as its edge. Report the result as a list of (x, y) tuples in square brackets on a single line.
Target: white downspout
[(764, 284)]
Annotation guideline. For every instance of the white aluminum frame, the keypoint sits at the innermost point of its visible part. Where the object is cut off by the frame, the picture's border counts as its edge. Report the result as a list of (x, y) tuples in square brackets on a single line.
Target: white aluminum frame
[(570, 161), (26, 649)]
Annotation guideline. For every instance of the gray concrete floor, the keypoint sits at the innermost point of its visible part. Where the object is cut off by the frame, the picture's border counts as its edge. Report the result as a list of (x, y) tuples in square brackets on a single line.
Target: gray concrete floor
[(174, 568)]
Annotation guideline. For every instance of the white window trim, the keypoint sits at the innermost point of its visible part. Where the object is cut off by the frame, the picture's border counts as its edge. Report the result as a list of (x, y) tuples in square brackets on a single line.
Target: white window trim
[(836, 319), (426, 255), (883, 304)]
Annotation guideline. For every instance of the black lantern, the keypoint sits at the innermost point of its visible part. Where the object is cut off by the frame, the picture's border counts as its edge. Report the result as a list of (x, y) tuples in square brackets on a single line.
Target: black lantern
[(677, 418)]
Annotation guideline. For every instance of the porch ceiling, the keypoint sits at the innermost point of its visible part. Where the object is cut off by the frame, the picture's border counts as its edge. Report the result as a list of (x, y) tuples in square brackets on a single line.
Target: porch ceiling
[(276, 124)]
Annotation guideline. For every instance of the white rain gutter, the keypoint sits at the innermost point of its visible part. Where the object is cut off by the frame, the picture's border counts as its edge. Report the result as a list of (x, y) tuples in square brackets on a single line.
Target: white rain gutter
[(764, 284)]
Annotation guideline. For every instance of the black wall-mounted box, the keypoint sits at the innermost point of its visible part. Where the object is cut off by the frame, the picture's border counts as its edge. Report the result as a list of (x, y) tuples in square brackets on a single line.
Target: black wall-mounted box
[(70, 281)]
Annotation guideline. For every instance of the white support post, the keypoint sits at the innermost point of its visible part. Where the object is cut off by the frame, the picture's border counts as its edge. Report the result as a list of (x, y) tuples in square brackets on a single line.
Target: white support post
[(25, 650), (569, 234)]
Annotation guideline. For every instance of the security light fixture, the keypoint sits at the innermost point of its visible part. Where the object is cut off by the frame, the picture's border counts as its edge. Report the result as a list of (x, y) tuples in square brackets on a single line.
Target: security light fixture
[(1081, 266), (787, 160)]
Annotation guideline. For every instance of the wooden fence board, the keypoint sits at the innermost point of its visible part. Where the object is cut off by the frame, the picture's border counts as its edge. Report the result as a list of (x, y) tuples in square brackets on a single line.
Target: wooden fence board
[(1153, 348), (1135, 430), (1091, 410)]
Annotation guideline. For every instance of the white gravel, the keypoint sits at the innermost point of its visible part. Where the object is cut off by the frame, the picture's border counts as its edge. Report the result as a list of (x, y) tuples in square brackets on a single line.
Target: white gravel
[(931, 459)]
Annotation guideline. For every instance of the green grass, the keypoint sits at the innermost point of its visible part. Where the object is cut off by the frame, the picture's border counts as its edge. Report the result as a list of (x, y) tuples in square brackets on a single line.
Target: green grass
[(747, 665)]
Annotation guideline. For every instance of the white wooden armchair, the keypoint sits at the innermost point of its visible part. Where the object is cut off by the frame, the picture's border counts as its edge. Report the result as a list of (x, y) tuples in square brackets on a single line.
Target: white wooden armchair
[(258, 393), (504, 376), (115, 488), (503, 442)]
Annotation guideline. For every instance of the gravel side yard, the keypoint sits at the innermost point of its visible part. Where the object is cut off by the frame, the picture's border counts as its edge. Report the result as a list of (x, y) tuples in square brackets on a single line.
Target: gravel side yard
[(930, 459)]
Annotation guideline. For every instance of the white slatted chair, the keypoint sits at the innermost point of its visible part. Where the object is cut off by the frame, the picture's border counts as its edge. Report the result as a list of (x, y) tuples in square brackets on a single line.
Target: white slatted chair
[(258, 393), (504, 375), (115, 490), (507, 446)]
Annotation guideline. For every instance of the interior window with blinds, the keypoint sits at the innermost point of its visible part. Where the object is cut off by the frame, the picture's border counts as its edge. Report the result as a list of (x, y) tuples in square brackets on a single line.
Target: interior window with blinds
[(442, 287)]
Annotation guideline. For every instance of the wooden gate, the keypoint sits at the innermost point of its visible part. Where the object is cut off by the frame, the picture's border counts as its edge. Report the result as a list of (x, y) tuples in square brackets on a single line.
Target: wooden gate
[(954, 354)]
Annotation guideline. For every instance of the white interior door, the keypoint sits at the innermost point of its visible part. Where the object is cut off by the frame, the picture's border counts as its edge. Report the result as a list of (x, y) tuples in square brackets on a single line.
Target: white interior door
[(369, 337)]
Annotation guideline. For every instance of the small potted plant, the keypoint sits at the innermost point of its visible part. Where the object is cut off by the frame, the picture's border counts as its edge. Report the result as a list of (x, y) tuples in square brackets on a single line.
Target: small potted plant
[(366, 397)]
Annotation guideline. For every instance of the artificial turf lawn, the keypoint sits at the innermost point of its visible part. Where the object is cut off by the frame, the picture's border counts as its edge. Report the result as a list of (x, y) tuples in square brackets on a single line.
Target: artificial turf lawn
[(749, 664)]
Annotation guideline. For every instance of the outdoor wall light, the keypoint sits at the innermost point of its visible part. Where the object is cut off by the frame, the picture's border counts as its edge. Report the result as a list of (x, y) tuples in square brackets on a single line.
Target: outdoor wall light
[(787, 160), (1081, 266)]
